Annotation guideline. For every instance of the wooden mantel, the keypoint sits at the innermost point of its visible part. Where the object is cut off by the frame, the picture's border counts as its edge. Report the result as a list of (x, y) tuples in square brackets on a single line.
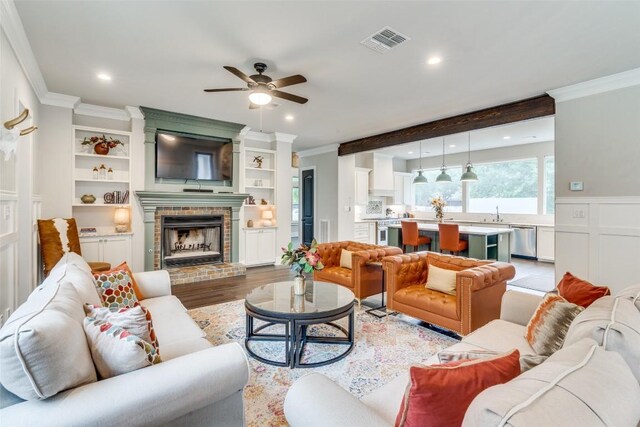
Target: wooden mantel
[(526, 109)]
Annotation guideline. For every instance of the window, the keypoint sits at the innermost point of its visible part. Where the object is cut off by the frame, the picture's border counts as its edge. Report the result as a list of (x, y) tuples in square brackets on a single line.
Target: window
[(549, 185), (451, 192), (511, 185)]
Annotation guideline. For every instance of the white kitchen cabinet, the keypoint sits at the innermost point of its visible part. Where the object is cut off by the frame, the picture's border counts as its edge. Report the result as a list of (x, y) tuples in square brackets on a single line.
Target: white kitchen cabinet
[(546, 245), (381, 177), (260, 246), (112, 249), (402, 188), (362, 186), (364, 232)]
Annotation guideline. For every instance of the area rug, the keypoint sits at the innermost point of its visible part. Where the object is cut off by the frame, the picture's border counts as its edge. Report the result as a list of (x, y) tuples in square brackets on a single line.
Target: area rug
[(384, 348), (536, 282)]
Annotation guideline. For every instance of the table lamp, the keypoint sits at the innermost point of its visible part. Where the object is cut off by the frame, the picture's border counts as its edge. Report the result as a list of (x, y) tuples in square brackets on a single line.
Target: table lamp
[(267, 216), (121, 218)]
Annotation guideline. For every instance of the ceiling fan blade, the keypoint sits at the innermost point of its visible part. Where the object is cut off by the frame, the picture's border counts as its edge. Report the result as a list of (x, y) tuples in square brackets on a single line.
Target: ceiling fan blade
[(288, 81), (288, 96), (227, 89), (239, 74)]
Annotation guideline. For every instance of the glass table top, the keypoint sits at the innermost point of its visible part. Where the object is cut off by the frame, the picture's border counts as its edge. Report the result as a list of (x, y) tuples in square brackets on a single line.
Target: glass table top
[(278, 298)]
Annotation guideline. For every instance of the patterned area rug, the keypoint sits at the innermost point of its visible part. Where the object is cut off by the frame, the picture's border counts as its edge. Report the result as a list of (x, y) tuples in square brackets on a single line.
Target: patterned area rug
[(383, 349)]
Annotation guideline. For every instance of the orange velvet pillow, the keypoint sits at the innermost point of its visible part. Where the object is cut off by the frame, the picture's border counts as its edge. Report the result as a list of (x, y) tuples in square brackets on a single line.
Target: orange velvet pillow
[(580, 292), (124, 266), (439, 395)]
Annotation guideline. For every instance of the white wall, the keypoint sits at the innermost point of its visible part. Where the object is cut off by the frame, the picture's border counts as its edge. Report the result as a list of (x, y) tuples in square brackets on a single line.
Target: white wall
[(345, 197), (19, 203), (598, 229), (326, 197)]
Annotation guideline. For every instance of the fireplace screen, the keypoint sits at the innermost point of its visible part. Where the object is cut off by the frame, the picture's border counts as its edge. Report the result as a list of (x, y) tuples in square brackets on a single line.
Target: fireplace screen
[(192, 240)]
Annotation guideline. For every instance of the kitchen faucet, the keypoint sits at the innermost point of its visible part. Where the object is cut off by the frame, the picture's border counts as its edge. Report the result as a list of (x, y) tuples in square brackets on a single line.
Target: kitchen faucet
[(497, 214)]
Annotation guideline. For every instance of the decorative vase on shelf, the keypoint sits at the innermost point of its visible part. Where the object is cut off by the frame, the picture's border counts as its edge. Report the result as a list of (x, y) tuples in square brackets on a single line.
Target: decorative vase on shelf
[(299, 284), (88, 199), (101, 148)]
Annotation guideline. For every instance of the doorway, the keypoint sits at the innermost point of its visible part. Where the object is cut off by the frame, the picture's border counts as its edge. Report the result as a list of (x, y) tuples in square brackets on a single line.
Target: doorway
[(308, 205)]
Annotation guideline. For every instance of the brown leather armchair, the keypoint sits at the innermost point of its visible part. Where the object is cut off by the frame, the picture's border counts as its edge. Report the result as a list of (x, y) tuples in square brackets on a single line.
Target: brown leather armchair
[(479, 289), (363, 279)]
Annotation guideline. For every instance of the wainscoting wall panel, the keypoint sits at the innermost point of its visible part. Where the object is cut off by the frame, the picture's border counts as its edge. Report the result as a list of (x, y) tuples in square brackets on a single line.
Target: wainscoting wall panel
[(598, 239), (8, 253)]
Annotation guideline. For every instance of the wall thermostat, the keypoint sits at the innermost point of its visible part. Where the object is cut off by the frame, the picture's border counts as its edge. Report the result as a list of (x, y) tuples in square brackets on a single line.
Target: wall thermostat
[(576, 186)]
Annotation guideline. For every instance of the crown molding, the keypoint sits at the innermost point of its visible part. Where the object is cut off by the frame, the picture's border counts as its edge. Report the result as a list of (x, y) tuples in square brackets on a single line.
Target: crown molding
[(12, 26), (596, 86), (318, 150), (284, 137), (99, 111), (60, 100), (134, 112), (247, 133)]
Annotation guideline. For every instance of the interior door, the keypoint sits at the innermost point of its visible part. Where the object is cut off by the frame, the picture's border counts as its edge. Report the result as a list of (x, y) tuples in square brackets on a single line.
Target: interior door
[(308, 202)]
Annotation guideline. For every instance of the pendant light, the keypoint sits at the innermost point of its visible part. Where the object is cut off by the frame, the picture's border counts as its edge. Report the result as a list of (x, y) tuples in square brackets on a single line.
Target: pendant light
[(444, 176), (469, 175), (420, 179)]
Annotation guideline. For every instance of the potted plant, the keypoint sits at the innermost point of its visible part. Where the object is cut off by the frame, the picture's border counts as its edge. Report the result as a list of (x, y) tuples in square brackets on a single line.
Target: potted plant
[(101, 145), (303, 259), (438, 204)]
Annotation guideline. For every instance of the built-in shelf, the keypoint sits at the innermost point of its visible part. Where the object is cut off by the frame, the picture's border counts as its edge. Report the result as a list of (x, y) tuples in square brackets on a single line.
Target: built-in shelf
[(116, 181), (258, 205), (261, 169), (260, 187), (100, 205), (102, 156)]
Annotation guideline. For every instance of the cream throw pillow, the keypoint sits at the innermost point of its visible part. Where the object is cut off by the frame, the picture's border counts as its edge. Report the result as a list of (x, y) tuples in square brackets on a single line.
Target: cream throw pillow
[(345, 259), (443, 280), (43, 349)]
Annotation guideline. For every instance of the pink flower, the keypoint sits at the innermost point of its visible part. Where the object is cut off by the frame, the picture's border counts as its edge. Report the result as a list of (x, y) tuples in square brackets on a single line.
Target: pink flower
[(312, 259)]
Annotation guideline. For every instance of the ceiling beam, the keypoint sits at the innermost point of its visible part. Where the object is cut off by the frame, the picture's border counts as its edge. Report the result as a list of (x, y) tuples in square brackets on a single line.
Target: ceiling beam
[(526, 109)]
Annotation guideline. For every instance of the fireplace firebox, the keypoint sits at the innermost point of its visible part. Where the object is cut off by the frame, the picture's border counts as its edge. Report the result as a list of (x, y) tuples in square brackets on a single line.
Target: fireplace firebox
[(192, 240)]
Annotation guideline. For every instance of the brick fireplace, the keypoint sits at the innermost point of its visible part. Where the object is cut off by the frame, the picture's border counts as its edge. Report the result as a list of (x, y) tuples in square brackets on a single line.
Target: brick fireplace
[(193, 236)]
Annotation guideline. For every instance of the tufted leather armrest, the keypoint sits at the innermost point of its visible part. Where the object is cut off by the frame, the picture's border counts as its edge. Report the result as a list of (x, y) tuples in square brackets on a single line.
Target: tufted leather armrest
[(482, 276)]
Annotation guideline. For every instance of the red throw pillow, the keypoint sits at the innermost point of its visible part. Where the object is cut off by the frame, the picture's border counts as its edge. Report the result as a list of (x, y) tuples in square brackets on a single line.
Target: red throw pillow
[(439, 395), (580, 292)]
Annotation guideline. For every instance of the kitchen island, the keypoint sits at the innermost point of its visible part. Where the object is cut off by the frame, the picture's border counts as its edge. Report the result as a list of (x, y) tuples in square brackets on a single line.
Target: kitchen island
[(484, 242)]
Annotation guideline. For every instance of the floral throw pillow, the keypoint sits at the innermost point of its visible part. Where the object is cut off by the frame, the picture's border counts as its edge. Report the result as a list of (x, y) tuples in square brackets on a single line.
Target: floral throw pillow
[(116, 289), (116, 351)]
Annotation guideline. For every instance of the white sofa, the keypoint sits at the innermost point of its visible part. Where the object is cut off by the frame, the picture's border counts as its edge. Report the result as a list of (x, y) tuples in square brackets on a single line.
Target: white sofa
[(196, 384), (581, 385)]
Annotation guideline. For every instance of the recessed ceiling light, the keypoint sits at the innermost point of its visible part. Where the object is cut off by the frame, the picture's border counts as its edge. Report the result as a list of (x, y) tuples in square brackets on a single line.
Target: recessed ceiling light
[(288, 117), (105, 77), (452, 145), (434, 60), (506, 137), (410, 152)]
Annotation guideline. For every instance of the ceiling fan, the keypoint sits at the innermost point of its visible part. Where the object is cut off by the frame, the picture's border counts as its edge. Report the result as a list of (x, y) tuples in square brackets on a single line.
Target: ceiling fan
[(262, 87)]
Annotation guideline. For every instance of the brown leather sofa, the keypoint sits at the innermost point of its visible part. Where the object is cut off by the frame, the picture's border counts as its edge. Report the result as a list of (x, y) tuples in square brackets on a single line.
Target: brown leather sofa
[(364, 280), (479, 289)]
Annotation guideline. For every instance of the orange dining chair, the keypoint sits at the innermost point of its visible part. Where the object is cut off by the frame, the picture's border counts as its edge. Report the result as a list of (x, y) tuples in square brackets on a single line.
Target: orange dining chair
[(450, 239), (411, 236)]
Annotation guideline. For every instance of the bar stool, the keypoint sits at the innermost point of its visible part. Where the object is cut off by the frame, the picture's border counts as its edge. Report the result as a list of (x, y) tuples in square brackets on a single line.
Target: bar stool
[(411, 236), (450, 239)]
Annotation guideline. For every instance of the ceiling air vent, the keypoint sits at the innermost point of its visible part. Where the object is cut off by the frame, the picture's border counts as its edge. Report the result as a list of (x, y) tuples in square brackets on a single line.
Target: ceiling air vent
[(385, 39)]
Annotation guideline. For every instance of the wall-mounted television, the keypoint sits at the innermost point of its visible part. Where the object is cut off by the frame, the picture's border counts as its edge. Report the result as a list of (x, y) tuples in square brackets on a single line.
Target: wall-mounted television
[(184, 156)]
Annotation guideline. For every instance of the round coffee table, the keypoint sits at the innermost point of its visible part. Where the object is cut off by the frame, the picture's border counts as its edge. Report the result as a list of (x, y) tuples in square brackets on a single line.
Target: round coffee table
[(276, 304)]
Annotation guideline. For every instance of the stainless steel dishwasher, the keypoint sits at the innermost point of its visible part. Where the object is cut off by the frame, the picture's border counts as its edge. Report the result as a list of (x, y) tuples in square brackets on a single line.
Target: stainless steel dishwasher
[(524, 241)]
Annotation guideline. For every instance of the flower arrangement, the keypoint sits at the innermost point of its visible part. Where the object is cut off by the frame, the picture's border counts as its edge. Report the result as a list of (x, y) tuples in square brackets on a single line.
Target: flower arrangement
[(101, 144), (438, 204), (303, 259)]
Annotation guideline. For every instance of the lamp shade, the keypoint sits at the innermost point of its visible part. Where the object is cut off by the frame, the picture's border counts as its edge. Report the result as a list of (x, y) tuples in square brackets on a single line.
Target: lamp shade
[(444, 176), (267, 216), (260, 97), (121, 218), (469, 175), (420, 179)]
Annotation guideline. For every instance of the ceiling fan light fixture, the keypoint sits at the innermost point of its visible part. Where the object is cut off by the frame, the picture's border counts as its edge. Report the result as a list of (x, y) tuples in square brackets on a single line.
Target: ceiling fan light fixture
[(260, 97)]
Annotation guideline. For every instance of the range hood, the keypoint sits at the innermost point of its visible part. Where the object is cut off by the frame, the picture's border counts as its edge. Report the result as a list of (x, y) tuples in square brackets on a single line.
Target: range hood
[(381, 176)]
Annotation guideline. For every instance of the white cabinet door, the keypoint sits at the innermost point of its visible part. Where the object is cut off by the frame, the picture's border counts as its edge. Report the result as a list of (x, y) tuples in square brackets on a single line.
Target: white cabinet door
[(362, 186), (398, 189), (116, 249), (260, 247), (407, 188), (372, 233), (546, 245), (91, 249), (267, 246), (361, 232)]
